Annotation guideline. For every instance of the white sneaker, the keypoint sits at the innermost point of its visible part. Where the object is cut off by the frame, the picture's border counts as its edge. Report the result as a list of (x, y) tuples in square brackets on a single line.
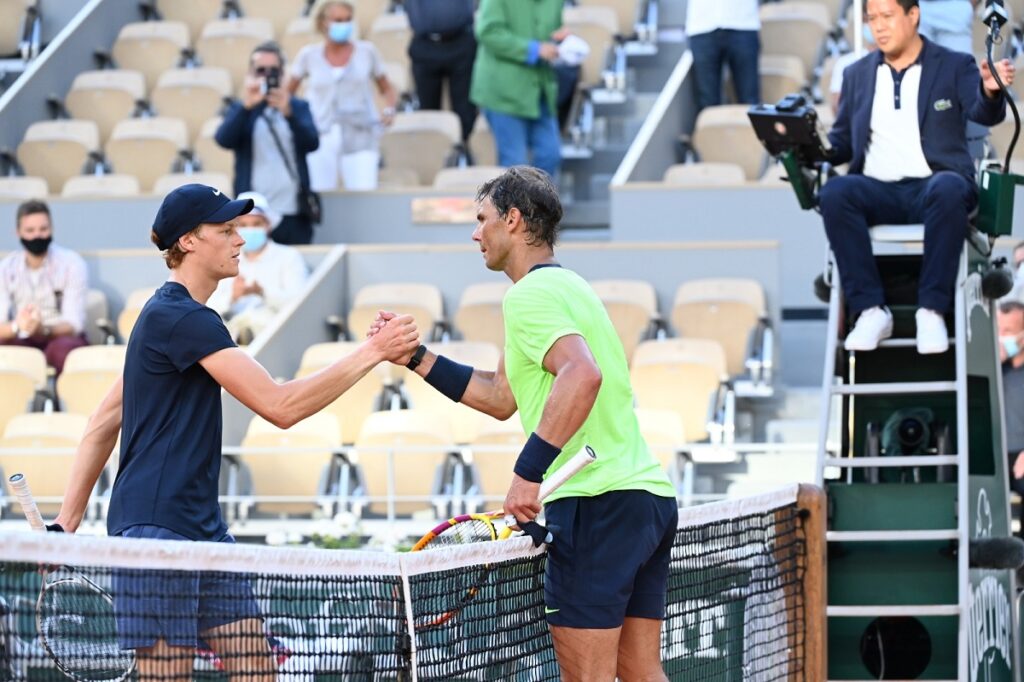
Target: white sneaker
[(932, 335), (873, 325)]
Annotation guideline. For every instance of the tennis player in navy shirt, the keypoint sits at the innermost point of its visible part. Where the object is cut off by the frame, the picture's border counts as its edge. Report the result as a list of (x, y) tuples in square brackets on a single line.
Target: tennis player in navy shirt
[(167, 408)]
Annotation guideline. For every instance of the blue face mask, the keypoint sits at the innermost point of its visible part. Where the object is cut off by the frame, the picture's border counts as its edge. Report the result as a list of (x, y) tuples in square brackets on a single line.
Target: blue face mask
[(1010, 346), (339, 31), (255, 238)]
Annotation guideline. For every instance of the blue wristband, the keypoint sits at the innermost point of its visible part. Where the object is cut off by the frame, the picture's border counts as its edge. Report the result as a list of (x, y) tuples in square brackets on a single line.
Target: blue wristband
[(535, 458), (450, 378)]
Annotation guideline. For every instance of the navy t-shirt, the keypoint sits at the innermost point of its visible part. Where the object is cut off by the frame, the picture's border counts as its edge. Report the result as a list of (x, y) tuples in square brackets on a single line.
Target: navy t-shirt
[(171, 425)]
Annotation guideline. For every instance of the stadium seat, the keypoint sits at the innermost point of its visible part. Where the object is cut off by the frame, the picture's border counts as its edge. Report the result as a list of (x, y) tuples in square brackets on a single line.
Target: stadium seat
[(301, 472), (781, 75), (632, 306), (47, 474), (106, 96), (12, 13), (194, 13), (397, 178), (422, 301), (279, 12), (98, 329), (213, 157), (299, 33), (101, 186), (20, 188), (727, 310), (598, 26), (390, 33), (495, 448), (467, 179), (58, 150), (422, 141), (1001, 135), (366, 14), (795, 28), (420, 443), (479, 315), (355, 404), (723, 134), (679, 375), (147, 147), (228, 43), (193, 95), (704, 174), (88, 374), (132, 308), (481, 144), (665, 436), (22, 373), (425, 398), (151, 47), (165, 183), (625, 12)]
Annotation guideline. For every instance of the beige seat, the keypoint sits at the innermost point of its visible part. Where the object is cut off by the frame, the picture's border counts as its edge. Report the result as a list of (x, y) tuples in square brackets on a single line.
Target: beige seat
[(23, 187), (279, 12), (22, 373), (425, 398), (151, 47), (407, 447), (130, 313), (495, 448), (227, 43), (47, 474), (632, 306), (166, 183), (663, 430), (625, 12), (794, 28), (58, 150), (397, 178), (422, 141), (97, 312), (194, 13), (367, 12), (598, 26), (289, 473), (723, 134), (105, 96), (12, 13), (193, 95), (466, 179), (355, 404), (1002, 134), (88, 374), (147, 147), (704, 174), (724, 309), (423, 301), (481, 144), (390, 33), (101, 186), (680, 375), (479, 315), (299, 33), (213, 157), (781, 75)]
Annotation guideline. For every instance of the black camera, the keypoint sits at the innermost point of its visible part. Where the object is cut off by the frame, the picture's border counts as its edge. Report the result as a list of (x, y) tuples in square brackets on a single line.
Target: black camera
[(791, 125), (273, 79)]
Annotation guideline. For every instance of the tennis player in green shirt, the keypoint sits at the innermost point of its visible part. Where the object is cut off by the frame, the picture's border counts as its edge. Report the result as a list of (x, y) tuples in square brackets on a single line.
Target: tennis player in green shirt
[(564, 370)]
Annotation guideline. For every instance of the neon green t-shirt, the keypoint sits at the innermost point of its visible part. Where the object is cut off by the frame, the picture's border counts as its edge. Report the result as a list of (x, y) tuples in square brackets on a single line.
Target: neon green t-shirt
[(539, 309)]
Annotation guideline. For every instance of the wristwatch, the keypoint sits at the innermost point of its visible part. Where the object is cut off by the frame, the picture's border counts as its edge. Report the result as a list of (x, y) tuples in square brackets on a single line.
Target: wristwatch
[(417, 358)]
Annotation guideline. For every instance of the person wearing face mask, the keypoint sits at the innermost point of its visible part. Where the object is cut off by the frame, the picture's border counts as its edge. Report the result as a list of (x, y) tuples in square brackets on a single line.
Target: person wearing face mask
[(42, 290), (1010, 323), (340, 76), (270, 275)]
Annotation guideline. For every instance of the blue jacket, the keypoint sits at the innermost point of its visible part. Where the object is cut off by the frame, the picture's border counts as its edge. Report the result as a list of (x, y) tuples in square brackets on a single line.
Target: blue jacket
[(950, 95), (235, 133)]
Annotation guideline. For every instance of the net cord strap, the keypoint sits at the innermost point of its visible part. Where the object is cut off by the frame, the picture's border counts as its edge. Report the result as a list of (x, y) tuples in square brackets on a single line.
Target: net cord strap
[(410, 623)]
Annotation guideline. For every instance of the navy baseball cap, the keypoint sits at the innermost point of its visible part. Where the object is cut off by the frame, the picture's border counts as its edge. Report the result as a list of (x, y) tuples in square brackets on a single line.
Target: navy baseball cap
[(189, 206)]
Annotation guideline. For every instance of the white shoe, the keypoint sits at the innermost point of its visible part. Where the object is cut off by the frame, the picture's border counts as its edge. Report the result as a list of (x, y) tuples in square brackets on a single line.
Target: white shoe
[(873, 325), (932, 335)]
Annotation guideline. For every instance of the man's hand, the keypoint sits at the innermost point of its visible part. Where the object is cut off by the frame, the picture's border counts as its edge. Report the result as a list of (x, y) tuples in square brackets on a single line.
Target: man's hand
[(29, 319), (279, 99), (397, 339), (521, 500), (1018, 466), (548, 52), (1004, 68), (253, 93), (561, 34)]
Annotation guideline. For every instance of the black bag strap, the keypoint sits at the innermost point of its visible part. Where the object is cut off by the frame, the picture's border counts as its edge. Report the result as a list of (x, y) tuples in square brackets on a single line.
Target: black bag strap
[(280, 147)]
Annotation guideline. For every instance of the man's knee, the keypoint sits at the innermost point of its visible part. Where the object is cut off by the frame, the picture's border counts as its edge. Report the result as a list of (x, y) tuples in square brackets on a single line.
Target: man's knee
[(947, 186), (837, 192)]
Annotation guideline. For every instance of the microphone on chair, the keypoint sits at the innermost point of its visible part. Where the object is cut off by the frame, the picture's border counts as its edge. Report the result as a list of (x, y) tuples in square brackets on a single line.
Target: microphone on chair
[(994, 17)]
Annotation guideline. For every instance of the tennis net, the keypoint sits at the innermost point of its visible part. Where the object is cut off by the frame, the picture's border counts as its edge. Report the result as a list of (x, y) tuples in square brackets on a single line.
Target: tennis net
[(740, 605)]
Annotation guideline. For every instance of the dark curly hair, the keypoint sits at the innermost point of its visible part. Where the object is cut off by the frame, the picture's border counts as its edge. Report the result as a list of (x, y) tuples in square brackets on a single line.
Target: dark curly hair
[(531, 191)]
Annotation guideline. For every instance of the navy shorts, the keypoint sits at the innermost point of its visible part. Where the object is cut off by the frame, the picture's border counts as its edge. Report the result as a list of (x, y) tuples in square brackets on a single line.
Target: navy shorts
[(176, 606), (609, 558)]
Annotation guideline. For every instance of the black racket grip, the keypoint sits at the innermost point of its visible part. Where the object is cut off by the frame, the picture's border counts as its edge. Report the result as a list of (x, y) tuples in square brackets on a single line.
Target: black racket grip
[(538, 533), (54, 528)]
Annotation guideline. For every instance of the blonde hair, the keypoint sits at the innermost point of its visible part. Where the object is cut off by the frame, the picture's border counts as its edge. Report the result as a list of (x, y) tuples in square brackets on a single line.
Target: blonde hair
[(319, 12)]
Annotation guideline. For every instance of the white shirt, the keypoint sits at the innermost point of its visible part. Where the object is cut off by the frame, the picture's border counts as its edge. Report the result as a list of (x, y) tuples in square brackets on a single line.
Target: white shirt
[(705, 16), (57, 288), (280, 271), (894, 150)]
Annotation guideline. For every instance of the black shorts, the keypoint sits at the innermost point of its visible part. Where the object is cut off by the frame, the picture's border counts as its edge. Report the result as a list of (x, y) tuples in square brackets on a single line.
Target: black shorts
[(609, 558)]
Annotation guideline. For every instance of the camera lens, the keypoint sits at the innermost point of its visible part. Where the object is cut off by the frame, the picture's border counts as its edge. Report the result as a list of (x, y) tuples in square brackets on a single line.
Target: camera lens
[(911, 433)]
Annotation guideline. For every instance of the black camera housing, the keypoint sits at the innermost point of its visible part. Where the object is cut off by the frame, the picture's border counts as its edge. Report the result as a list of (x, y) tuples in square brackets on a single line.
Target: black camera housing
[(273, 79)]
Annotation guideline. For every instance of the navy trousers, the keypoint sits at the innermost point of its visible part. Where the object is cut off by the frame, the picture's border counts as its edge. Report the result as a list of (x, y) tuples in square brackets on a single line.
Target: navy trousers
[(852, 203)]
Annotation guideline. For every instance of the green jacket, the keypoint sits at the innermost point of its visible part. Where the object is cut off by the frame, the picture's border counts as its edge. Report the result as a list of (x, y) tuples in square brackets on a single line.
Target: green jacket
[(502, 80)]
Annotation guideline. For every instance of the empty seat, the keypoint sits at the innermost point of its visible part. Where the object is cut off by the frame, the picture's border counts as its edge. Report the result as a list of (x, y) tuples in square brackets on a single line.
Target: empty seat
[(355, 404), (12, 14), (625, 12), (479, 315), (598, 26), (467, 179), (211, 155), (279, 12), (390, 34), (151, 47), (680, 375), (724, 134), (193, 95), (47, 473), (228, 43), (409, 449), (724, 309), (794, 28), (367, 12), (147, 147), (495, 448), (665, 436), (166, 183), (481, 144), (1002, 134), (704, 174), (299, 33), (20, 188), (58, 150), (105, 96), (397, 178), (101, 186), (97, 313), (632, 306), (193, 13), (422, 141), (781, 75), (88, 374), (422, 301), (22, 373), (294, 461), (130, 313)]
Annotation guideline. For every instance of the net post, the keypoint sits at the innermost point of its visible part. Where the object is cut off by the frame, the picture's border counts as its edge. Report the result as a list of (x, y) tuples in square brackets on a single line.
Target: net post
[(811, 501)]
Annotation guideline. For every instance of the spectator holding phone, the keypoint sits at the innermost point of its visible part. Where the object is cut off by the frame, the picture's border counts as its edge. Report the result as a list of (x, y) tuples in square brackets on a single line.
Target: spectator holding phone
[(271, 133)]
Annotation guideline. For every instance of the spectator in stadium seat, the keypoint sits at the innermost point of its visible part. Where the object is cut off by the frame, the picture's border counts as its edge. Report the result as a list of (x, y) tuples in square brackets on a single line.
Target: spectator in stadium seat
[(42, 290), (565, 373), (1010, 323), (907, 165), (443, 47), (342, 73), (167, 408), (949, 23), (514, 81), (724, 33), (269, 275), (271, 133)]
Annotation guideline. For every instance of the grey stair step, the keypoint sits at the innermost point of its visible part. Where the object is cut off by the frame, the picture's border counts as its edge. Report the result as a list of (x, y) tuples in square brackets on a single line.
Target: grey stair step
[(891, 535), (908, 461), (898, 388), (904, 343), (921, 610)]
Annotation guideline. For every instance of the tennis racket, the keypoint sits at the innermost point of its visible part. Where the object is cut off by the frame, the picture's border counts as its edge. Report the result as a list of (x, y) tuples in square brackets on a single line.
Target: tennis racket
[(74, 615)]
